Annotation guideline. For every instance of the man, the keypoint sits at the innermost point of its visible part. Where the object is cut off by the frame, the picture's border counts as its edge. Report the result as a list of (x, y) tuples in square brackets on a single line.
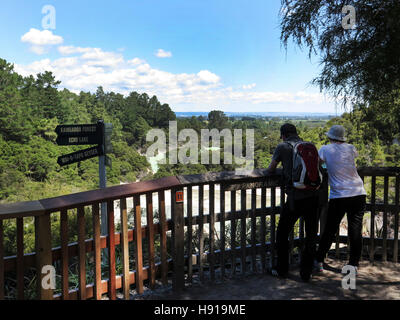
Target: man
[(300, 203)]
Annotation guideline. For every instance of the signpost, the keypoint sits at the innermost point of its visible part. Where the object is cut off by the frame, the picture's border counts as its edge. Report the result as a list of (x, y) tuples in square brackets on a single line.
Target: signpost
[(80, 156), (78, 130), (70, 141), (88, 134)]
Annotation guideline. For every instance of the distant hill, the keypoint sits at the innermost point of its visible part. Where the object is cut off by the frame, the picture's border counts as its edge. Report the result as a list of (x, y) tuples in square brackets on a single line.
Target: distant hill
[(262, 114)]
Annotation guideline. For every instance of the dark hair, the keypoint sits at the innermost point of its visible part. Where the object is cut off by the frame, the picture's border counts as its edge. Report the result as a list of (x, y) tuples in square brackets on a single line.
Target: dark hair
[(288, 130)]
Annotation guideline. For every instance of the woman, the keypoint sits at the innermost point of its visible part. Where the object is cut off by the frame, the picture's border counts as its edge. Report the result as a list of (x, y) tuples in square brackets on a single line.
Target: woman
[(347, 195)]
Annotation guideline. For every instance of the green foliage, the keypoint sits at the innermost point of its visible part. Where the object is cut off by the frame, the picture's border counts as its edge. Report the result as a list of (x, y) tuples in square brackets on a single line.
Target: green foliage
[(359, 64), (32, 107), (218, 120)]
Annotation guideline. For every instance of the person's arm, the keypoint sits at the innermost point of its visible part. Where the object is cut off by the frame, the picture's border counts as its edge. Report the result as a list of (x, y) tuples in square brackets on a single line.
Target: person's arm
[(321, 156), (272, 166), (276, 158)]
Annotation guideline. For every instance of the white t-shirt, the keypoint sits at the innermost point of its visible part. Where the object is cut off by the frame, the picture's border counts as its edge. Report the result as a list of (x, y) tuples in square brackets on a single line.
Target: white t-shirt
[(344, 180)]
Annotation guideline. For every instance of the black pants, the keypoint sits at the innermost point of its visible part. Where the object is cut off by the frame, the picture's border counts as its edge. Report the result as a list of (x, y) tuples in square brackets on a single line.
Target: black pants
[(308, 209), (354, 207)]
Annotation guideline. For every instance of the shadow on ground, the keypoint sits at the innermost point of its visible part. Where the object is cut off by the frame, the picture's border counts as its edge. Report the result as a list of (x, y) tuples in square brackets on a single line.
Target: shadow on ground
[(374, 281)]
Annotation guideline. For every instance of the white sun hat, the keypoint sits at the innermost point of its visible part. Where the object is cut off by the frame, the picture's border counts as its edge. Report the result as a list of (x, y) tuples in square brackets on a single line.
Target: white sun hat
[(337, 132)]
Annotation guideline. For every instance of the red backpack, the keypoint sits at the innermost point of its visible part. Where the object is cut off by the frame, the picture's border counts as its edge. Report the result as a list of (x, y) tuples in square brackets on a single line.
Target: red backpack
[(306, 174)]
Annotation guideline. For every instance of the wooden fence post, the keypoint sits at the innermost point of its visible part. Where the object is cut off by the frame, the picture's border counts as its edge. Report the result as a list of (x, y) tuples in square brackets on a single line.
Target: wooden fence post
[(323, 203), (43, 253), (178, 280)]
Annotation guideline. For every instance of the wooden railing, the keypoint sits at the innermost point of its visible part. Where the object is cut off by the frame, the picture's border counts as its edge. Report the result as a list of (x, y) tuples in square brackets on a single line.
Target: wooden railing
[(245, 241)]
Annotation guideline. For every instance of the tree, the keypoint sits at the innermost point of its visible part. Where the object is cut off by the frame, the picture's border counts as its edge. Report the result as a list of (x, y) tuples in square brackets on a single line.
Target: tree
[(15, 123), (47, 98), (358, 65), (218, 120)]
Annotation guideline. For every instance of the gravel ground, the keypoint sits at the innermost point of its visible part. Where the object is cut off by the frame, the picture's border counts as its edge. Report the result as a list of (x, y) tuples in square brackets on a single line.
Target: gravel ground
[(374, 281)]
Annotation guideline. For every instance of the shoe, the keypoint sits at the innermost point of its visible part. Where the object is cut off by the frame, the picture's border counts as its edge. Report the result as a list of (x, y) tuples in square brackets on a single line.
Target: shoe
[(318, 266)]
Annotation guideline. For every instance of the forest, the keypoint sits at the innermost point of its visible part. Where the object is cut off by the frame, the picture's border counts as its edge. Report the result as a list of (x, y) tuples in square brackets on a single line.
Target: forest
[(32, 107)]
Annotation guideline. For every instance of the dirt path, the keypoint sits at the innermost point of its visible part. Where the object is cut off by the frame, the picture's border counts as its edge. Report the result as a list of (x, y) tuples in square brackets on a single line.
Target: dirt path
[(378, 281)]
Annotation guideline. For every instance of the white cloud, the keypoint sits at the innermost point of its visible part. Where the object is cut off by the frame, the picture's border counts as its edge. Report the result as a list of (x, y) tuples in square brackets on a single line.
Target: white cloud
[(41, 38), (38, 49), (136, 61), (67, 50), (163, 54), (40, 41), (249, 86), (84, 69), (208, 77)]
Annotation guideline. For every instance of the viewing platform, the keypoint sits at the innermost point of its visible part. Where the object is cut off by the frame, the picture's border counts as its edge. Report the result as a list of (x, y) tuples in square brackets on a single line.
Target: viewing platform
[(208, 236)]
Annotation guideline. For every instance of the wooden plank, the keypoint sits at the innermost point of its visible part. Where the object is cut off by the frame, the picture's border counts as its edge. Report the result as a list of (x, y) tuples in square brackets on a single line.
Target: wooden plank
[(378, 171), (396, 220), (20, 259), (163, 237), (385, 217), (82, 253), (253, 230), (201, 232), (125, 248), (138, 253), (212, 229), (21, 209), (43, 253), (243, 236), (233, 232), (97, 251), (301, 231), (291, 245), (231, 178), (107, 194), (190, 232), (337, 244), (222, 230), (111, 251), (178, 280), (273, 226), (263, 230), (372, 223), (150, 238), (1, 260), (291, 233), (64, 254)]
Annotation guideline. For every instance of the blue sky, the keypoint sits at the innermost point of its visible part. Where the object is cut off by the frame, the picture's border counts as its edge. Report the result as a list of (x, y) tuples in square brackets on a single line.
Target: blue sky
[(215, 54)]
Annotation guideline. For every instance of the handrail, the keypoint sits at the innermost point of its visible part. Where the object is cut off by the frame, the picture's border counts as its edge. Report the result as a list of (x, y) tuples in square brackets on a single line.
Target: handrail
[(39, 207), (34, 208)]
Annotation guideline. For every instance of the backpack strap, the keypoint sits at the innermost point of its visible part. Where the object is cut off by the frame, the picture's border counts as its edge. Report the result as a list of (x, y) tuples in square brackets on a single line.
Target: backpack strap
[(293, 145)]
